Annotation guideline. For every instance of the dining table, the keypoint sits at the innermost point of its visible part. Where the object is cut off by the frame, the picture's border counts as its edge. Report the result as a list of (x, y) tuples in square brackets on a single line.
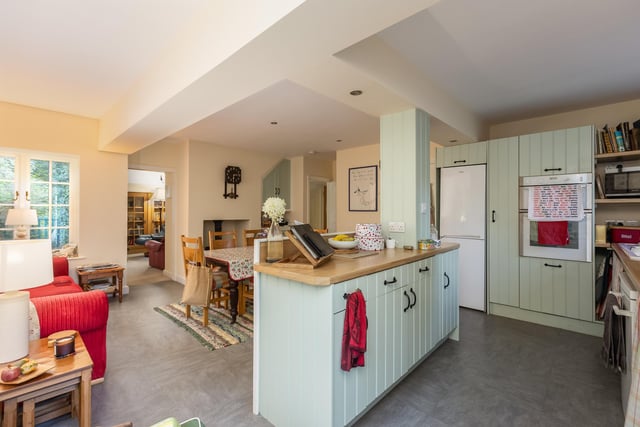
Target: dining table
[(239, 264)]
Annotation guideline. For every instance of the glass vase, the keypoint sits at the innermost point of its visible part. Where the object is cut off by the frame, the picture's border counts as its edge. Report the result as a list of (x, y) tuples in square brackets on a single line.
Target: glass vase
[(274, 243)]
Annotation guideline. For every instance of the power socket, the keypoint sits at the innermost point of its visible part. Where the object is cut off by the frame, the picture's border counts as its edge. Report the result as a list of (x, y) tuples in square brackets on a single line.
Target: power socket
[(396, 227)]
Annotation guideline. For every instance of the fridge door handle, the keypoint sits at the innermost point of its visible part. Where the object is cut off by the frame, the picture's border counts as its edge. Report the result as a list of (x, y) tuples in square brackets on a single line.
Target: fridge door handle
[(462, 236)]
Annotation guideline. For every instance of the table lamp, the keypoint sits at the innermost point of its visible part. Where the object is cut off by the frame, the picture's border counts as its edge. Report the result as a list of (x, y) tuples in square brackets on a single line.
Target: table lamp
[(21, 217), (24, 264)]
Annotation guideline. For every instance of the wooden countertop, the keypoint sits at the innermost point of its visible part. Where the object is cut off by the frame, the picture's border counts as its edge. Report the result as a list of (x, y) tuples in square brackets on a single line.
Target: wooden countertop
[(631, 267), (339, 269)]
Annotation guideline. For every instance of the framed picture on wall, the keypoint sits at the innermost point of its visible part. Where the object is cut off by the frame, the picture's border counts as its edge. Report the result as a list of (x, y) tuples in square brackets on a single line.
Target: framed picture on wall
[(363, 189)]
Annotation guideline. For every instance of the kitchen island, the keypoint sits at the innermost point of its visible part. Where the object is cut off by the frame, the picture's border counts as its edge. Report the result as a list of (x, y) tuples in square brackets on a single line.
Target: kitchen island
[(412, 308)]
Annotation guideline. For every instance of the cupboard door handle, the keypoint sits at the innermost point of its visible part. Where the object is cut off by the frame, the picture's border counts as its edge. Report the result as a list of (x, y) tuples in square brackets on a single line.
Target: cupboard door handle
[(448, 281), (390, 282), (552, 169), (415, 298), (422, 270), (553, 265), (459, 161), (408, 302), (493, 216)]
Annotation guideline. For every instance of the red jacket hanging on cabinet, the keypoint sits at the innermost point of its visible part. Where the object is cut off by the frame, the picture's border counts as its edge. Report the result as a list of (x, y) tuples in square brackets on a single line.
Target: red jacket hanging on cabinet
[(354, 335)]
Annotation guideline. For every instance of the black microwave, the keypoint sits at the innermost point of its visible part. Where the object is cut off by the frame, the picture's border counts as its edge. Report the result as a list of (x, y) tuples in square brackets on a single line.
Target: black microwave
[(622, 182)]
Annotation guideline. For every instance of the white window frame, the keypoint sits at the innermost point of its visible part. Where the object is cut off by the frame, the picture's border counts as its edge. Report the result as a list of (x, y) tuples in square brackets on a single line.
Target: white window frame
[(23, 181)]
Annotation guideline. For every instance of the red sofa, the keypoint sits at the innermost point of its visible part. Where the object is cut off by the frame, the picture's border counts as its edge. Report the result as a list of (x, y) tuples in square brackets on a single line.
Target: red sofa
[(62, 305)]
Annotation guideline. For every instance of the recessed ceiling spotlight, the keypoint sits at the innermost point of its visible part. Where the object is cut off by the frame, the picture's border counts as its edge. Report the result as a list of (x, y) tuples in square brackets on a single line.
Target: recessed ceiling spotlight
[(453, 140), (312, 152), (356, 92), (274, 123), (338, 140)]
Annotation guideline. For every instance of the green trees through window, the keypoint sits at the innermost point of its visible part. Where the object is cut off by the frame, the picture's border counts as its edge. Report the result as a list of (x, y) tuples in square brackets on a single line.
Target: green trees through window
[(49, 183)]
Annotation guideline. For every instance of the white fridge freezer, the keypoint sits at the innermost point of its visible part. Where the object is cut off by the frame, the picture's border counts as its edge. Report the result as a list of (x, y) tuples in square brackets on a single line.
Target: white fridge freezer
[(462, 221)]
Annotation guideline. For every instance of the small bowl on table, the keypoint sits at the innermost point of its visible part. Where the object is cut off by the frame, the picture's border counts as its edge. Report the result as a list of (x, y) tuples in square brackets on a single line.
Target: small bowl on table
[(343, 244)]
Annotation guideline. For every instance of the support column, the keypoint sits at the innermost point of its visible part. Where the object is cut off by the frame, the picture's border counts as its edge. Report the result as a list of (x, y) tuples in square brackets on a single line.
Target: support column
[(404, 175)]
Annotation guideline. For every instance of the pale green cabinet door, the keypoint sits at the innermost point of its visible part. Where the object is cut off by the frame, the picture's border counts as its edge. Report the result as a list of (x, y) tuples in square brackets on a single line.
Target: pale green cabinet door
[(444, 296), (353, 391), (449, 292), (502, 222), (423, 270), (462, 155), (563, 288), (437, 290), (388, 323), (278, 182), (563, 151)]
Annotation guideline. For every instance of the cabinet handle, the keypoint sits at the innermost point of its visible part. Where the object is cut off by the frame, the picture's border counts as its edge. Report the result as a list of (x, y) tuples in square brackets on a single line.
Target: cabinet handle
[(553, 265), (459, 161), (422, 270), (390, 282), (408, 302), (552, 169), (415, 298), (493, 216), (448, 281)]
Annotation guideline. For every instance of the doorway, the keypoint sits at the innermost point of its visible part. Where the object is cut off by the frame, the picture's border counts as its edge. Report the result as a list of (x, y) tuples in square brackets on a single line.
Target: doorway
[(320, 203), (146, 220)]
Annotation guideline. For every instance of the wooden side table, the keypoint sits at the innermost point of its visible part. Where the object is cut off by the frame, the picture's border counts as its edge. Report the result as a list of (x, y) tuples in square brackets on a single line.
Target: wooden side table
[(69, 374), (86, 275)]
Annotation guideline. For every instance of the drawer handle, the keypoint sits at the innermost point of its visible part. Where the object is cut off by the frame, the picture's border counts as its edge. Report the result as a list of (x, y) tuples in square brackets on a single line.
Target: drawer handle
[(459, 161), (390, 282), (408, 302), (415, 298), (552, 169), (448, 281), (493, 216), (553, 265), (422, 270)]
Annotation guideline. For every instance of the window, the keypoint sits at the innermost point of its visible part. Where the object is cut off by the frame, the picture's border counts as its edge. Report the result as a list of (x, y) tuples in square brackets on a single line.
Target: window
[(46, 182)]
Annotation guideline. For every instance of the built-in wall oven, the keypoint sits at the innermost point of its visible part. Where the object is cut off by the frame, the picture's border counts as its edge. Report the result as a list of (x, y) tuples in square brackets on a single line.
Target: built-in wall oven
[(556, 218)]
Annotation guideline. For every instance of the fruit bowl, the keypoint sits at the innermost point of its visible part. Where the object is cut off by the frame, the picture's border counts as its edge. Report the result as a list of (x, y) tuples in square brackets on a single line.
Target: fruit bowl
[(343, 244)]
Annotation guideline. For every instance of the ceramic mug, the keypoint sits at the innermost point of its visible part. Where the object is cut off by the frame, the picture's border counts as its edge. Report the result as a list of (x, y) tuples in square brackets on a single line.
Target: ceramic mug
[(391, 243)]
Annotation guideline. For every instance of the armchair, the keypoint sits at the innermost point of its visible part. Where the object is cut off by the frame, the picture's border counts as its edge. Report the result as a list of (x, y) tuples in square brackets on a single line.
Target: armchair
[(156, 253)]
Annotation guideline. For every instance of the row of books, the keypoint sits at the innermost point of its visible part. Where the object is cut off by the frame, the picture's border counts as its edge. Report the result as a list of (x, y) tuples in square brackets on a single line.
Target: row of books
[(621, 138)]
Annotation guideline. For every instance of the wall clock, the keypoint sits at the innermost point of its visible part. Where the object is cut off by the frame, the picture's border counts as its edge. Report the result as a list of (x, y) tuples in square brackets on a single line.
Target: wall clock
[(232, 175)]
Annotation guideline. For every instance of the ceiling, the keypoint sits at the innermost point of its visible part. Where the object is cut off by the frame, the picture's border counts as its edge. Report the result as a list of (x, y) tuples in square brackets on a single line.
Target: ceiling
[(469, 64)]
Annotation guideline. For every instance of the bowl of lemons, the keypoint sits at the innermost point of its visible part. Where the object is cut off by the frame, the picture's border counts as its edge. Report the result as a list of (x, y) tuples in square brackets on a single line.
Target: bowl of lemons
[(343, 241)]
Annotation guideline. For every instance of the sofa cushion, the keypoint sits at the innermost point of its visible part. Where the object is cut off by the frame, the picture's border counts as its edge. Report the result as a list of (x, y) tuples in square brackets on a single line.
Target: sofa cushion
[(60, 285), (60, 266)]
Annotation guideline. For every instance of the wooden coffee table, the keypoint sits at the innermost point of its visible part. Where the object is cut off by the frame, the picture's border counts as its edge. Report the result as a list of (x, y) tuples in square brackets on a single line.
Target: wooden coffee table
[(69, 374), (115, 273)]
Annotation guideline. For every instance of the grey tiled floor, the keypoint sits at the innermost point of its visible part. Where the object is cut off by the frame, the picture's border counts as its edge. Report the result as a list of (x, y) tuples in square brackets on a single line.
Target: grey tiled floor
[(501, 373)]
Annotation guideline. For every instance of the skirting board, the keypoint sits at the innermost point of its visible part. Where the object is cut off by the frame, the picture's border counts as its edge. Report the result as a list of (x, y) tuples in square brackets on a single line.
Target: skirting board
[(580, 326)]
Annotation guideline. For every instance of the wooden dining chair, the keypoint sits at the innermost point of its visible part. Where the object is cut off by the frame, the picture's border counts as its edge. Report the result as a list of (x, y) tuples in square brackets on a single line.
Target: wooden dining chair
[(222, 239), (193, 254), (250, 234)]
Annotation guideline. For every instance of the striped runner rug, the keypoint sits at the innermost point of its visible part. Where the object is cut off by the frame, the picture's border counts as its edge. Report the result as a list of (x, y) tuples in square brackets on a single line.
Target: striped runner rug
[(219, 333)]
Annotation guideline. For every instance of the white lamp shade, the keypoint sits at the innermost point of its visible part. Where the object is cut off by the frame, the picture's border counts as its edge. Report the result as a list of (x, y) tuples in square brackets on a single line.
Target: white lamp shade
[(25, 264), (22, 216)]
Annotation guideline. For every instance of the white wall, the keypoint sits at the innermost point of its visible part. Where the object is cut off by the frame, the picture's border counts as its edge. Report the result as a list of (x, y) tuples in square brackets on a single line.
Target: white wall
[(610, 114)]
